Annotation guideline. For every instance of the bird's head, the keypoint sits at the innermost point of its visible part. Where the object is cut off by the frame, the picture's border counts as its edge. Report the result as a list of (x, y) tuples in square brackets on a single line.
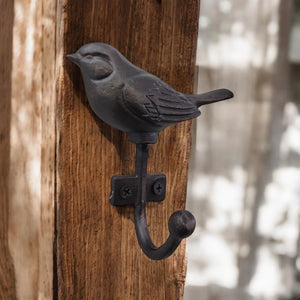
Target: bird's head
[(95, 60)]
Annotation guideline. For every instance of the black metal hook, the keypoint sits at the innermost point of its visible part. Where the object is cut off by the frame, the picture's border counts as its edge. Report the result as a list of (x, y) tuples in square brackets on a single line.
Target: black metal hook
[(141, 188), (140, 104), (181, 223)]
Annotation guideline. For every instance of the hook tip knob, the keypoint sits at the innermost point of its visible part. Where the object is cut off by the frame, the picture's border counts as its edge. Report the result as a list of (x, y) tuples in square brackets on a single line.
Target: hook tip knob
[(182, 224)]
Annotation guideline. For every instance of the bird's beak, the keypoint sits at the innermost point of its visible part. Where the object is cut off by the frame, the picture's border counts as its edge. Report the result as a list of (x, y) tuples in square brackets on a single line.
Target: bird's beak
[(74, 58)]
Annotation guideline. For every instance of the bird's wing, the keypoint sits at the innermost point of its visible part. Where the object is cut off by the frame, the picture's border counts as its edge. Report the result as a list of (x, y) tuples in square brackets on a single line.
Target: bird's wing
[(159, 103)]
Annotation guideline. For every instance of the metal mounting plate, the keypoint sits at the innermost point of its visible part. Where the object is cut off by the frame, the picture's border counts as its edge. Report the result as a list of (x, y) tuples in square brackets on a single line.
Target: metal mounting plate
[(124, 189)]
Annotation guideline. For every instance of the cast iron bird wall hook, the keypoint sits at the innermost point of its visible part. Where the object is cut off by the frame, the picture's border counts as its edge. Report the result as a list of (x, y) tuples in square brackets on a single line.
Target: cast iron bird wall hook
[(139, 104)]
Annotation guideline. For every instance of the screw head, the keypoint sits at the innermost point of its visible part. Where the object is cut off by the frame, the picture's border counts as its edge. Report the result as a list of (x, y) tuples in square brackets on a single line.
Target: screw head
[(125, 191), (158, 188)]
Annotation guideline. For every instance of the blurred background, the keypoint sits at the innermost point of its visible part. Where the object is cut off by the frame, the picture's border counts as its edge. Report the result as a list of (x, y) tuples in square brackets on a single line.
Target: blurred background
[(244, 176)]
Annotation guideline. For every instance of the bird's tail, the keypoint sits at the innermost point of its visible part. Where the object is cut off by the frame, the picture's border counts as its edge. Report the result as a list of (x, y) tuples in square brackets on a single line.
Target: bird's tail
[(210, 97)]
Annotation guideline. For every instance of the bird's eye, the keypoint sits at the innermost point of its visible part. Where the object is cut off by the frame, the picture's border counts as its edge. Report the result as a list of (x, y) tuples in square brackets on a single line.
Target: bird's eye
[(96, 55), (100, 69), (97, 65)]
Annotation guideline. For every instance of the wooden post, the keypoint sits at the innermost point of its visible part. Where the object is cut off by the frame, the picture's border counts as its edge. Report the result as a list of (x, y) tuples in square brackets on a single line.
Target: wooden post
[(98, 256), (7, 276), (58, 158), (27, 148)]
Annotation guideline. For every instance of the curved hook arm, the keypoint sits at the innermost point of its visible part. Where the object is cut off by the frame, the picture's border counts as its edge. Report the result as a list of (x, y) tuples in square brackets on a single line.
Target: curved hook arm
[(181, 223)]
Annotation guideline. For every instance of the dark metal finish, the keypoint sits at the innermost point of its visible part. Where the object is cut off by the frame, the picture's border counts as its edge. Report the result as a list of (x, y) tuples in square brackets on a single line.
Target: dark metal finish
[(158, 188), (139, 104), (124, 189), (181, 223), (131, 99), (125, 192)]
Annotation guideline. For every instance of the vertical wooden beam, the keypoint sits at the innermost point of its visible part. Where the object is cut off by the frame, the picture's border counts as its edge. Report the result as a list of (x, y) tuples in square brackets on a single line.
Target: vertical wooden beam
[(7, 276), (49, 61), (98, 256), (27, 148), (25, 176)]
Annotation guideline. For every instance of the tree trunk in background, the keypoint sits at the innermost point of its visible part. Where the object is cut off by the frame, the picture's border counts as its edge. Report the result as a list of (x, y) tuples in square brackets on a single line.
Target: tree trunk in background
[(56, 158), (263, 162), (243, 188)]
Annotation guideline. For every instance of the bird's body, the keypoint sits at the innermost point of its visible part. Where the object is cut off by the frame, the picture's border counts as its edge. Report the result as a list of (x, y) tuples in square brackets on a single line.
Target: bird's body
[(131, 99)]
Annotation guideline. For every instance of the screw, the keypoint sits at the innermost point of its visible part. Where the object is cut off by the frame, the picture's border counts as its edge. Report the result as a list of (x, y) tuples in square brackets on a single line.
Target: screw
[(125, 192), (158, 188)]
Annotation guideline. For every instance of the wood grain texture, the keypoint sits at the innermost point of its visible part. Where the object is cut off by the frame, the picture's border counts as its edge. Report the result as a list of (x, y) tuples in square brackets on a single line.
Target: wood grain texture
[(7, 276), (27, 148), (48, 147), (98, 256)]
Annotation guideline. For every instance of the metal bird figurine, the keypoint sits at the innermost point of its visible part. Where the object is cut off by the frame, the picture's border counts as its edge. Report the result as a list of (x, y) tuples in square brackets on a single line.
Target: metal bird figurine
[(140, 104), (131, 99)]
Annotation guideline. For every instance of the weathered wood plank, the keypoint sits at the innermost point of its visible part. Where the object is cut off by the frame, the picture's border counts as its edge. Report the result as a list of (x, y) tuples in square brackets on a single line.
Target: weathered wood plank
[(7, 276), (27, 148), (98, 256), (48, 147)]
